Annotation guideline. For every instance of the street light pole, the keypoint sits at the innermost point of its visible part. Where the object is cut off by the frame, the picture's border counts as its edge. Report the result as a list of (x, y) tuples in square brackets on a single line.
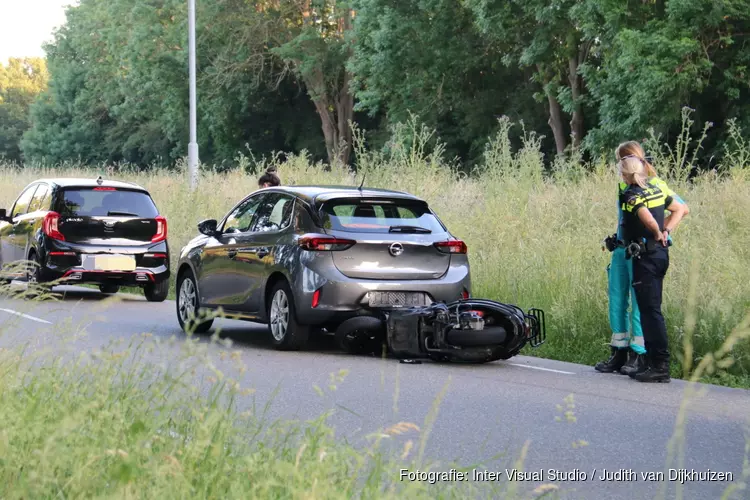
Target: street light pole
[(193, 145)]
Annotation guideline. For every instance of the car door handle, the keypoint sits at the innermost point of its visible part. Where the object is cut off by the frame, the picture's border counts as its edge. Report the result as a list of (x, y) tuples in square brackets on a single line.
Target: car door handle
[(232, 254)]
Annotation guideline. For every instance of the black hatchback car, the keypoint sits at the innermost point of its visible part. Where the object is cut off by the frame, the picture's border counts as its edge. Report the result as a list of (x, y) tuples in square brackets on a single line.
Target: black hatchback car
[(91, 231)]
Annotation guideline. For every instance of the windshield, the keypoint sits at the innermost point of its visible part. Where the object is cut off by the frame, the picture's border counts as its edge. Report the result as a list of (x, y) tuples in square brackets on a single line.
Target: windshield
[(380, 216), (103, 202)]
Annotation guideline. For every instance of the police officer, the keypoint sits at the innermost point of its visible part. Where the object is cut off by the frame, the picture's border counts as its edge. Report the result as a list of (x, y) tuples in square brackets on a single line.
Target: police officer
[(645, 236), (628, 347)]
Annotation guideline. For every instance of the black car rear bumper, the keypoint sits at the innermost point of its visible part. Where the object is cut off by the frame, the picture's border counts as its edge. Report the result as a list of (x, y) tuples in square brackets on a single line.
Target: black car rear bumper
[(64, 264), (139, 277)]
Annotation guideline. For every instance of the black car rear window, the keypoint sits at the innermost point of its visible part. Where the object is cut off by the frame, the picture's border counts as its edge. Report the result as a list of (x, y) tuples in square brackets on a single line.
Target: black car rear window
[(378, 216), (102, 202)]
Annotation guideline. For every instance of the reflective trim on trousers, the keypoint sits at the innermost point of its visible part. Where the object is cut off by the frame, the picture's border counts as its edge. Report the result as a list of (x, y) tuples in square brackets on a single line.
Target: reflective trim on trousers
[(638, 344), (620, 340)]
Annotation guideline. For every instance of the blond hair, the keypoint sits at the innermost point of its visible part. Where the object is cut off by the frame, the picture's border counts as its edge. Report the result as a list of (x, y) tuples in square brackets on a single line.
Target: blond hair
[(633, 148), (635, 168)]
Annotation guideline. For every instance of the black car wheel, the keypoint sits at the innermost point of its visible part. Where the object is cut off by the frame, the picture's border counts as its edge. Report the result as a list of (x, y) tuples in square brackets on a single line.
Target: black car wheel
[(108, 289), (286, 332), (188, 305), (156, 292), (34, 276)]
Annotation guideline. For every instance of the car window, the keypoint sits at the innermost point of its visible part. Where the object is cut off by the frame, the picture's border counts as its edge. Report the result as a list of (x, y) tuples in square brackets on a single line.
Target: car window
[(274, 214), (105, 201), (379, 216), (240, 219), (22, 204), (39, 201)]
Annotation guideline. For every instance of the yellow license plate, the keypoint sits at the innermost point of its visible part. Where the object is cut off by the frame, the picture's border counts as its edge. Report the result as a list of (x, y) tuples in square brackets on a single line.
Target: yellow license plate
[(114, 263)]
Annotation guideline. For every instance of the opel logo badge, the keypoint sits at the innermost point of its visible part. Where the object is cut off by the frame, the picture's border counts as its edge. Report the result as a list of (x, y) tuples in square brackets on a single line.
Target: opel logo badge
[(396, 249)]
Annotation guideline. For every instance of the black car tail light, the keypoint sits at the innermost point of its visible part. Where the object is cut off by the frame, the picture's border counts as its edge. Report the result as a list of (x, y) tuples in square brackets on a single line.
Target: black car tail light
[(161, 230), (50, 226)]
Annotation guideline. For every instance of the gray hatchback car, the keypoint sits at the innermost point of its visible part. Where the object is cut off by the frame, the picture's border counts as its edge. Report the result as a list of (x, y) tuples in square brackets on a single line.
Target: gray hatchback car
[(304, 257)]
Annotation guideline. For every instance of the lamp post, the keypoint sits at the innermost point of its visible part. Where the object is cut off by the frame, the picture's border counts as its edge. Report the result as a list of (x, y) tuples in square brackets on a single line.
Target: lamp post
[(193, 145)]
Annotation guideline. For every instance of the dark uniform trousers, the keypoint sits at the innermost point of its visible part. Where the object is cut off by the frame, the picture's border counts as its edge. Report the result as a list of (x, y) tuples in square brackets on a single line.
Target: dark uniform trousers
[(648, 277)]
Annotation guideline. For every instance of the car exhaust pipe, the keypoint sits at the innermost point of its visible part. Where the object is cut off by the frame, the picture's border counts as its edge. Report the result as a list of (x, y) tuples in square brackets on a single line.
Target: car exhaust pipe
[(361, 334)]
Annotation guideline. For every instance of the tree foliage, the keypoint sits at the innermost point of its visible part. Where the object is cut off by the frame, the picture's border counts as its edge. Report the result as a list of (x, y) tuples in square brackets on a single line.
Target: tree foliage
[(293, 75), (21, 80)]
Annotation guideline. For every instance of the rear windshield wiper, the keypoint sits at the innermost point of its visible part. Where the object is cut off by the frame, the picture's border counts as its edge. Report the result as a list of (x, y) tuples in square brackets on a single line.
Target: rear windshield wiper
[(126, 214), (409, 229)]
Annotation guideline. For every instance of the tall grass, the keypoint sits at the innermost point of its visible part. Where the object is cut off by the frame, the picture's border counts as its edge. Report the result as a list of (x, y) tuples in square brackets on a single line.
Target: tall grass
[(534, 234)]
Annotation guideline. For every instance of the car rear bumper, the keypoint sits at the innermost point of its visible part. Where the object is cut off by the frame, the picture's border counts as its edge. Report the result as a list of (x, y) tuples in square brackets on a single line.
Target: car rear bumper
[(320, 300), (139, 277), (71, 264)]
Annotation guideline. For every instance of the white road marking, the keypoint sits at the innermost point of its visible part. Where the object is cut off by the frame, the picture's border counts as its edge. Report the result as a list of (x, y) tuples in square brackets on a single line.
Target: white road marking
[(32, 318), (540, 368)]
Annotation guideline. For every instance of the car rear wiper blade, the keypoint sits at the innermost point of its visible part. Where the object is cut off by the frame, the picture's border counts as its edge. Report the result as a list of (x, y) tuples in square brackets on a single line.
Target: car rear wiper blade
[(126, 214), (409, 229)]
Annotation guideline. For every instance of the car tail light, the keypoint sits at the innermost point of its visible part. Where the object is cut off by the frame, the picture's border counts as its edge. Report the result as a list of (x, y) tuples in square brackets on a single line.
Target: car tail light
[(50, 226), (324, 244), (316, 299), (59, 254), (161, 230), (465, 294), (452, 246), (105, 189)]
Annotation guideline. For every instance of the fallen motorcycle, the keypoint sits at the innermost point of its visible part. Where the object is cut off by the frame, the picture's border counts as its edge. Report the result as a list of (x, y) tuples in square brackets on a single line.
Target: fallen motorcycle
[(467, 330)]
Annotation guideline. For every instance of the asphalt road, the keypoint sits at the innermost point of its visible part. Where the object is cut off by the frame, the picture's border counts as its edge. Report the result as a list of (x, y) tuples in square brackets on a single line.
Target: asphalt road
[(487, 410)]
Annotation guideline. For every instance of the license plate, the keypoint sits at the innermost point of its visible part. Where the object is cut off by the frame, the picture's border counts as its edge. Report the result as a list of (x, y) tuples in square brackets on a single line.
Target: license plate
[(397, 299), (114, 263)]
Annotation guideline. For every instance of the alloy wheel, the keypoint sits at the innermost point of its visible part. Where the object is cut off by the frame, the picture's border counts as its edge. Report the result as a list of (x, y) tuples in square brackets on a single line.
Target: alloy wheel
[(279, 315), (187, 300)]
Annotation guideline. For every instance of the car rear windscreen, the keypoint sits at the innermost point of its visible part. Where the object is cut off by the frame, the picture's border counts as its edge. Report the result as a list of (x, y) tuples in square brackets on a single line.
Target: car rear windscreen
[(103, 202), (379, 216)]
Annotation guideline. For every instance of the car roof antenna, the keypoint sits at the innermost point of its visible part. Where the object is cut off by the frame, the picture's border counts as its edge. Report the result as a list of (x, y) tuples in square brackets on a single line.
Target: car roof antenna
[(99, 180), (363, 182)]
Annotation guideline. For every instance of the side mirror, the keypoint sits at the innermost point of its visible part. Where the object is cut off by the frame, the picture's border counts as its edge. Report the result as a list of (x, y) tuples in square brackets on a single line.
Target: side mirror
[(4, 215), (208, 227)]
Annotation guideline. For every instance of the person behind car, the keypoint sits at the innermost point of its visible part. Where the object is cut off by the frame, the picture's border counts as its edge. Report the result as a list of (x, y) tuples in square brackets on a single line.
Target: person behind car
[(645, 231), (627, 345), (269, 179)]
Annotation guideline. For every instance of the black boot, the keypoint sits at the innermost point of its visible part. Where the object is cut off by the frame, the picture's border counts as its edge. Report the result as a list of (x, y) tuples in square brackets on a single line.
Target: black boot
[(657, 371), (636, 363), (614, 363)]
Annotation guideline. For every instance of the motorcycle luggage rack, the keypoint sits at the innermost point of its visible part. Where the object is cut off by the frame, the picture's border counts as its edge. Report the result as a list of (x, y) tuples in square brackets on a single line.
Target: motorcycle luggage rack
[(536, 319)]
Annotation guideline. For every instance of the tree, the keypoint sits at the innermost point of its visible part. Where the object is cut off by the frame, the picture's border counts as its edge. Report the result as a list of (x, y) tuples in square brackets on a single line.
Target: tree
[(427, 58), (21, 81), (543, 35), (271, 38), (654, 58)]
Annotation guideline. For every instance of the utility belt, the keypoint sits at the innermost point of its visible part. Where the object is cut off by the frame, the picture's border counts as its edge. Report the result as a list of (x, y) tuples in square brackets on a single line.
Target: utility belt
[(635, 249)]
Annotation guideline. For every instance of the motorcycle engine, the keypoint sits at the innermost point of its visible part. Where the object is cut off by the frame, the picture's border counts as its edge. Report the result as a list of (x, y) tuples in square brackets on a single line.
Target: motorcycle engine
[(470, 320)]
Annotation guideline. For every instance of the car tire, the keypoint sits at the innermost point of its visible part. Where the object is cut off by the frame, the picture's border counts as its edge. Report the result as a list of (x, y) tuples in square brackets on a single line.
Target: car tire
[(188, 305), (285, 330), (34, 276), (156, 292), (108, 289)]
